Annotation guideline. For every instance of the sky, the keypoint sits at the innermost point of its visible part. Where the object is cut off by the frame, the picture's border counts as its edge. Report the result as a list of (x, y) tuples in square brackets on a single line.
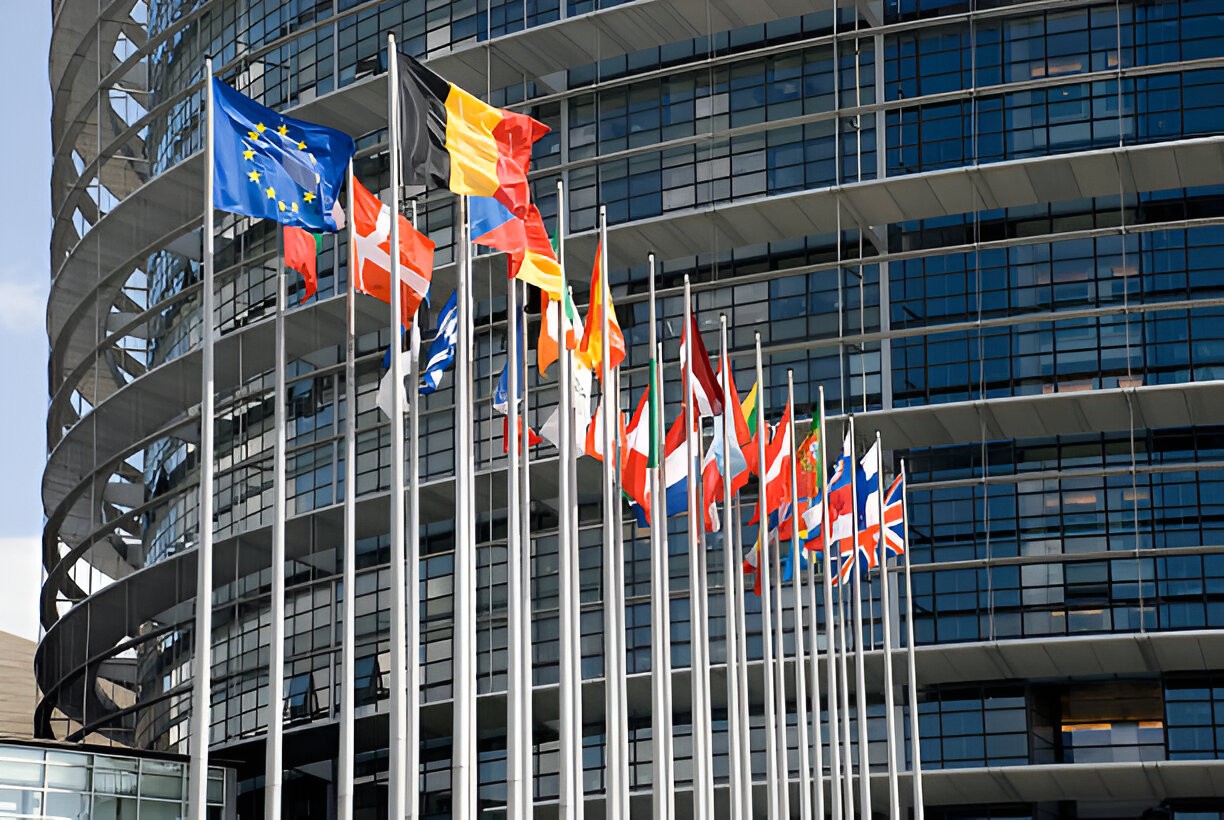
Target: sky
[(25, 231)]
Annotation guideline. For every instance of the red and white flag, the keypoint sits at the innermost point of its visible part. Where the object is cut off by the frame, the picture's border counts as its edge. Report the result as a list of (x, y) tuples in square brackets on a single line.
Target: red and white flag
[(371, 242), (707, 393)]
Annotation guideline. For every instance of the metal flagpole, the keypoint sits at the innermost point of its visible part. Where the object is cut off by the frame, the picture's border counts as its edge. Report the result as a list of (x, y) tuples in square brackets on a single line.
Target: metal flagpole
[(843, 664), (412, 574), (805, 774), (528, 792), (738, 782), (622, 705), (779, 669), (463, 750), (783, 717), (772, 775), (817, 757), (397, 788), (703, 779), (614, 653), (571, 737), (860, 683), (201, 690), (661, 515), (662, 795), (348, 648), (741, 662), (274, 743), (517, 747), (894, 800), (831, 676), (915, 739)]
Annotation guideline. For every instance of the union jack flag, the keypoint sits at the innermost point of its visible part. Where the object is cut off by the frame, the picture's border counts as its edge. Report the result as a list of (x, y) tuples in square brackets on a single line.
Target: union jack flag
[(864, 549), (894, 518)]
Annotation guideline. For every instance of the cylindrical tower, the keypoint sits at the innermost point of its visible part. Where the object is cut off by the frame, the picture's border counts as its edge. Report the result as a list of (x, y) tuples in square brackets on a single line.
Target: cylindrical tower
[(993, 231)]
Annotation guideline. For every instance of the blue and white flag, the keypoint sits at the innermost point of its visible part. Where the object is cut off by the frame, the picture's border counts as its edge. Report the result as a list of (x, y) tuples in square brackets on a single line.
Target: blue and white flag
[(501, 394), (442, 350), (383, 397)]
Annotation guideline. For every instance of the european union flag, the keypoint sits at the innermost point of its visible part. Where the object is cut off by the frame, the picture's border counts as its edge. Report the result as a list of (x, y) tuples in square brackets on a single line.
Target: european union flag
[(270, 166)]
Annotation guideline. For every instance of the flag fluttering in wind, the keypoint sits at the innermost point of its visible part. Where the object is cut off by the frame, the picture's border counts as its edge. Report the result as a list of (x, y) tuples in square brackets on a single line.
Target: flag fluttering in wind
[(894, 518), (454, 140), (501, 397), (270, 166), (707, 393), (778, 455), (371, 237), (591, 348), (442, 349), (714, 465), (635, 456), (859, 554), (549, 343), (301, 249), (523, 238), (594, 443)]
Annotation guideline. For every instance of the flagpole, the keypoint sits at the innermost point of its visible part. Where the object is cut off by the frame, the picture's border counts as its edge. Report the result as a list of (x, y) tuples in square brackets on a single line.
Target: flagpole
[(397, 787), (616, 787), (915, 739), (201, 690), (741, 663), (816, 740), (348, 580), (805, 774), (570, 738), (660, 499), (894, 800), (463, 753), (831, 666), (516, 750), (731, 575), (618, 587), (779, 668), (772, 775), (274, 739), (844, 661), (860, 692), (662, 796), (703, 780), (843, 664), (412, 573), (528, 791)]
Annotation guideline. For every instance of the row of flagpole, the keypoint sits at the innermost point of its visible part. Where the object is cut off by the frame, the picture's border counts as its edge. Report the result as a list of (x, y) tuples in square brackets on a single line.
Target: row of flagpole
[(404, 674)]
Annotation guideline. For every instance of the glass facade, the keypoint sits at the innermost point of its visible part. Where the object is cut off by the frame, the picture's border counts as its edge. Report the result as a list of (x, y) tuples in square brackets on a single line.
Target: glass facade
[(87, 784), (1079, 530)]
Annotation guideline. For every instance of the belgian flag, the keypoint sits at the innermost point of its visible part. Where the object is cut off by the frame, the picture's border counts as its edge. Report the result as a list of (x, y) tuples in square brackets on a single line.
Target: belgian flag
[(451, 139)]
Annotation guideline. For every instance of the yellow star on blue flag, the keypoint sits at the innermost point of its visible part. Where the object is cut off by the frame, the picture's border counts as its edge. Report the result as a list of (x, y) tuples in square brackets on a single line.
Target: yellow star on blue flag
[(270, 166)]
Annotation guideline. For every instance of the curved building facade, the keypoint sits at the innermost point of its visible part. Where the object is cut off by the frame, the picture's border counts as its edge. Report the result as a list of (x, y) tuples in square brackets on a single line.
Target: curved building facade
[(993, 231)]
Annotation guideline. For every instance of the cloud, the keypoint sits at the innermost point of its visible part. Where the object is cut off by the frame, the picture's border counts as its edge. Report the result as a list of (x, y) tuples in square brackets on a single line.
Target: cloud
[(19, 586), (23, 305)]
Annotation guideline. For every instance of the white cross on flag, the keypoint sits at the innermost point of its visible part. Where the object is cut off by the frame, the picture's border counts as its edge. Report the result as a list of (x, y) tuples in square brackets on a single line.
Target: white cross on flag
[(371, 238)]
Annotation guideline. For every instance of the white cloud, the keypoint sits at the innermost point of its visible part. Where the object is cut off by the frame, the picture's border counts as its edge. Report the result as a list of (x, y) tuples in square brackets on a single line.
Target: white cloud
[(23, 305), (19, 586)]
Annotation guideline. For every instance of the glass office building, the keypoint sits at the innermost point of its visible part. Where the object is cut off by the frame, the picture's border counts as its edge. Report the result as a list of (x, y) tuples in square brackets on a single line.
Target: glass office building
[(63, 781), (992, 230)]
